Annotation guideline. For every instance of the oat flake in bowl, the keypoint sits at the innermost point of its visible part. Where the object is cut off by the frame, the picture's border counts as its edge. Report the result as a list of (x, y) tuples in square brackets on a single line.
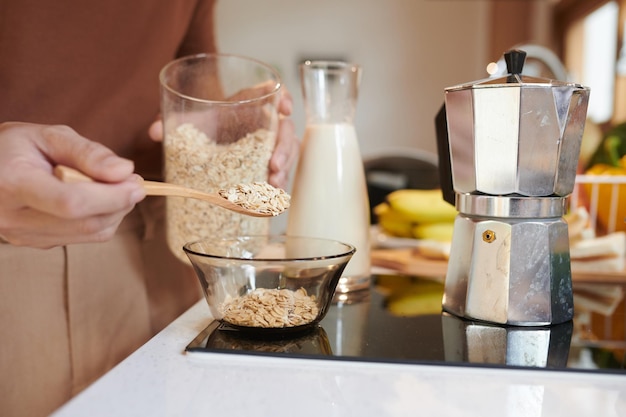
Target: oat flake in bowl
[(269, 283)]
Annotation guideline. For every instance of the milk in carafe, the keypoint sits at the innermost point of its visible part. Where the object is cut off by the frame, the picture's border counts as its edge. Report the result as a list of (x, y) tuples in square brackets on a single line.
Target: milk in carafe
[(329, 195)]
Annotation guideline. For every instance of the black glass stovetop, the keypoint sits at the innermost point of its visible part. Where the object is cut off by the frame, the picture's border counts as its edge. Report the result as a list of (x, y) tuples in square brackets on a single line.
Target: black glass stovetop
[(400, 320)]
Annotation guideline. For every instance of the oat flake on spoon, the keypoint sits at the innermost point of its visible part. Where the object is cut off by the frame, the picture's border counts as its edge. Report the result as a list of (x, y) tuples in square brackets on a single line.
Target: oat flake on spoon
[(258, 196)]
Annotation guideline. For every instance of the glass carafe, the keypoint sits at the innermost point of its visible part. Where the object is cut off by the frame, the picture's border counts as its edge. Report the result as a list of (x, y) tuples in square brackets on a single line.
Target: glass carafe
[(329, 195)]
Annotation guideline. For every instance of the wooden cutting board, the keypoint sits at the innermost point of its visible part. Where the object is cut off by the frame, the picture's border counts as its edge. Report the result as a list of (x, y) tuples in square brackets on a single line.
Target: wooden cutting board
[(408, 262)]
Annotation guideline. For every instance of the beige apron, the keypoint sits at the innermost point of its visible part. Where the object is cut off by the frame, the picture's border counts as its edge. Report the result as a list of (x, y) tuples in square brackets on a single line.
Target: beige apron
[(69, 314)]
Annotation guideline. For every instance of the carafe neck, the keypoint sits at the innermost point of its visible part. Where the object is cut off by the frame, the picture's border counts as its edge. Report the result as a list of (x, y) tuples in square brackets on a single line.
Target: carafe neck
[(330, 91)]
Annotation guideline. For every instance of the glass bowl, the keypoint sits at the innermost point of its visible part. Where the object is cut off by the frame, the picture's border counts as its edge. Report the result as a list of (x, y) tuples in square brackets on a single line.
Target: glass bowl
[(269, 283)]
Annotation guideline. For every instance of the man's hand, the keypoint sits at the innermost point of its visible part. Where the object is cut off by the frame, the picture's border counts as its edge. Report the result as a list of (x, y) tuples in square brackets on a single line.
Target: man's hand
[(38, 210)]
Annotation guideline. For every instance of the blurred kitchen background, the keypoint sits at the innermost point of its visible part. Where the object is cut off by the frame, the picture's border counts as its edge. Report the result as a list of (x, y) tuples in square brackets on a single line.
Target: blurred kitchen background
[(410, 50)]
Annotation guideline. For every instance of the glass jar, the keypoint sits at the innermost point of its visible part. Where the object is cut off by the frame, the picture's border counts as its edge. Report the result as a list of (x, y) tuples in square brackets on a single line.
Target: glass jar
[(220, 121)]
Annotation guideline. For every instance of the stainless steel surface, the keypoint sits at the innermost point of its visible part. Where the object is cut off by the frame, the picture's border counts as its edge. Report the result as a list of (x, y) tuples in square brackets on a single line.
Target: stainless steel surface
[(510, 207), (510, 271), (514, 144), (515, 135)]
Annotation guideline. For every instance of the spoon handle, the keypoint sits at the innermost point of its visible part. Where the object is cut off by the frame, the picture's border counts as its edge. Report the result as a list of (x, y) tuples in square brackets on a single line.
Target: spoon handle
[(69, 175), (156, 188), (168, 189)]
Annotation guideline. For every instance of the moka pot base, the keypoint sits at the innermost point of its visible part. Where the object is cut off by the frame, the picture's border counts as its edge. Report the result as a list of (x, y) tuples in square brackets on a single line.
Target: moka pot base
[(509, 261)]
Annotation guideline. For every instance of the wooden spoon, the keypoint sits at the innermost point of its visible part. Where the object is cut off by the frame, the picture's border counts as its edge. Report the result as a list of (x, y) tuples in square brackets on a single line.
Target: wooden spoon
[(69, 175)]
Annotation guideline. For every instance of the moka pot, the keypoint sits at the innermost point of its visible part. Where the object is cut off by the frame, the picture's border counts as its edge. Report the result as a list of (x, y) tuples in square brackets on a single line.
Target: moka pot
[(508, 152)]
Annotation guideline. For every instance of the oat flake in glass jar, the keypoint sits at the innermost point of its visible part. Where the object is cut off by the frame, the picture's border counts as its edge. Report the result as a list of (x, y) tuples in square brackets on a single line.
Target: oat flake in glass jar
[(220, 122)]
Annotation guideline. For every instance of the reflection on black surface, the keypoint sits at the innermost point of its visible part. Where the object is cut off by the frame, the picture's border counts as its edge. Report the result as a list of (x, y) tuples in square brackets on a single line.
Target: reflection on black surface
[(220, 337), (481, 343), (386, 327)]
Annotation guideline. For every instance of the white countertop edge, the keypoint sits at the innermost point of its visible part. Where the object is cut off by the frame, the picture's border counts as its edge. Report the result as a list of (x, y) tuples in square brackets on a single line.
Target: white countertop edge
[(162, 379)]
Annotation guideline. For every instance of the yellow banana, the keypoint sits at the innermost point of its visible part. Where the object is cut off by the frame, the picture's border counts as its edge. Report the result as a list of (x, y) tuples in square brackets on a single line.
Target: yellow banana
[(441, 232), (421, 206), (392, 222)]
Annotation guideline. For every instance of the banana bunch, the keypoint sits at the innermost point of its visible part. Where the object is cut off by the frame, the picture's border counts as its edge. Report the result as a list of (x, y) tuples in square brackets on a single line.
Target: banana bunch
[(419, 214)]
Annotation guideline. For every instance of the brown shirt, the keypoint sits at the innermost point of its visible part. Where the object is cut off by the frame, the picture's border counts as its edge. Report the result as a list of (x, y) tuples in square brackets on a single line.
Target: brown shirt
[(94, 65), (69, 314)]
